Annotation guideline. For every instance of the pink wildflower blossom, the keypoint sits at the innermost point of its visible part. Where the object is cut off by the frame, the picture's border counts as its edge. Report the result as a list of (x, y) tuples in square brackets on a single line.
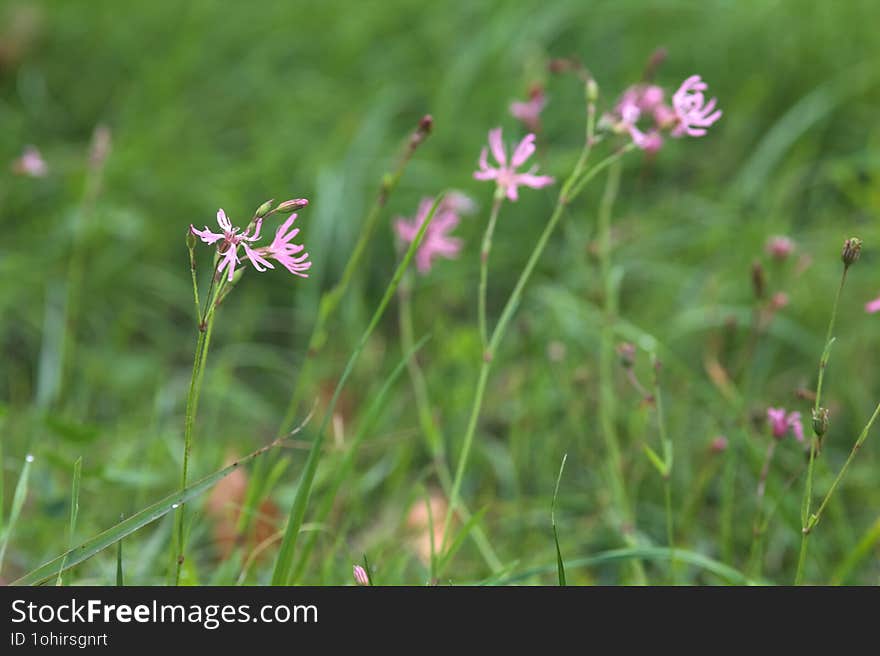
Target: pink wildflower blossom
[(529, 112), (436, 241), (360, 576), (780, 247), (781, 422), (637, 102), (505, 175), (31, 163), (872, 307), (693, 114), (280, 250)]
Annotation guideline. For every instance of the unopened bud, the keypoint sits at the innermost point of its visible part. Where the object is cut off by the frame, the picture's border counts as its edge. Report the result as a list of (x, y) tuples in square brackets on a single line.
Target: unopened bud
[(820, 421), (190, 239), (627, 354), (422, 131), (758, 279), (360, 576), (264, 209), (592, 90), (718, 444), (291, 205), (852, 248)]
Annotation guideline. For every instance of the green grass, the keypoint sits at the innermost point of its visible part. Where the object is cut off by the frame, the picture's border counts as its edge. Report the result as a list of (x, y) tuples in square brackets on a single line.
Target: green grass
[(225, 107)]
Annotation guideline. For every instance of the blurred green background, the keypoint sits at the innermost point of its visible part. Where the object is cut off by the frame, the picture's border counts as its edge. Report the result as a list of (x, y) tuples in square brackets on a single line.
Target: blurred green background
[(228, 104)]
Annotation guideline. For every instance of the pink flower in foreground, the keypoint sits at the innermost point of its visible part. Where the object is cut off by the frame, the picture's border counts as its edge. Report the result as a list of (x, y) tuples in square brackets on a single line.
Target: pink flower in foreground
[(692, 113), (872, 307), (529, 112), (781, 422), (506, 176), (780, 247), (360, 576), (436, 241), (31, 163), (280, 250)]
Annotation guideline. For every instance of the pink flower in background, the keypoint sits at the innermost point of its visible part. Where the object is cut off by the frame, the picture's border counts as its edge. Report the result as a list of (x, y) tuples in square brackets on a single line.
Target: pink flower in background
[(31, 163), (781, 422), (780, 247), (436, 241), (636, 102), (693, 114), (230, 239), (505, 175), (873, 306), (529, 112)]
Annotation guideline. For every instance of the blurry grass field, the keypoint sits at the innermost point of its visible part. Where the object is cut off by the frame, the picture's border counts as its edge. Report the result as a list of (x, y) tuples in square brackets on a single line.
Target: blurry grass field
[(226, 105)]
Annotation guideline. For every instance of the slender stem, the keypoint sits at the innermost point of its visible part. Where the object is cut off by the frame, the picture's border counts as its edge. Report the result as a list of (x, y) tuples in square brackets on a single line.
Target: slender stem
[(668, 459), (484, 263), (195, 282), (757, 530), (205, 328), (814, 519), (429, 428), (330, 300), (566, 195), (808, 489)]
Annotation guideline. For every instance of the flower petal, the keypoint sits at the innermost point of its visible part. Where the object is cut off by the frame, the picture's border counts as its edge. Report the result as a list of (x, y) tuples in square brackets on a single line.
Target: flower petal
[(497, 146)]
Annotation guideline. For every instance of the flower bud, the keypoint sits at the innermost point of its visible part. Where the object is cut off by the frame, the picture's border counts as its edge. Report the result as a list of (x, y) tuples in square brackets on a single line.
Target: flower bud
[(592, 90), (718, 444), (291, 205), (264, 209), (360, 576), (852, 248), (190, 239), (627, 354), (820, 421), (758, 279)]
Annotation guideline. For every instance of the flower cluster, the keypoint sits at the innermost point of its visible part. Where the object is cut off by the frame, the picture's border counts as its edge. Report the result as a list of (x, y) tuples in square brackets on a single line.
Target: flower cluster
[(688, 115), (436, 241), (281, 249), (782, 422), (505, 174)]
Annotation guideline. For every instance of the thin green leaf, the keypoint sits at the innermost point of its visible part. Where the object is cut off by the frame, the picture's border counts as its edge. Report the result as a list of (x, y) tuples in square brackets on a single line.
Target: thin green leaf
[(120, 580), (74, 509), (655, 459), (18, 498), (459, 540), (560, 566)]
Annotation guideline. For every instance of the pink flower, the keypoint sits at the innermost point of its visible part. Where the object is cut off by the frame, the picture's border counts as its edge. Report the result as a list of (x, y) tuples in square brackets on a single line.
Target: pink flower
[(505, 175), (873, 306), (230, 239), (693, 114), (529, 112), (436, 241), (718, 444), (779, 300), (780, 247), (781, 423), (31, 163), (360, 576), (637, 101)]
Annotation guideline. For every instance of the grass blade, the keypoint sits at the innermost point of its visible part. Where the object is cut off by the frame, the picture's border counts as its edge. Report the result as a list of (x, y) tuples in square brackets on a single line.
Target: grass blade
[(560, 566), (134, 523), (345, 467), (722, 571), (74, 509), (17, 502), (120, 580), (284, 562), (459, 540)]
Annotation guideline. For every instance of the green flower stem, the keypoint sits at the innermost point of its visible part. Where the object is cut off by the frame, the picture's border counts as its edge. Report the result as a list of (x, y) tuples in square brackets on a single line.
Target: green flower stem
[(206, 325), (808, 490), (484, 263), (569, 191), (426, 421), (814, 519)]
